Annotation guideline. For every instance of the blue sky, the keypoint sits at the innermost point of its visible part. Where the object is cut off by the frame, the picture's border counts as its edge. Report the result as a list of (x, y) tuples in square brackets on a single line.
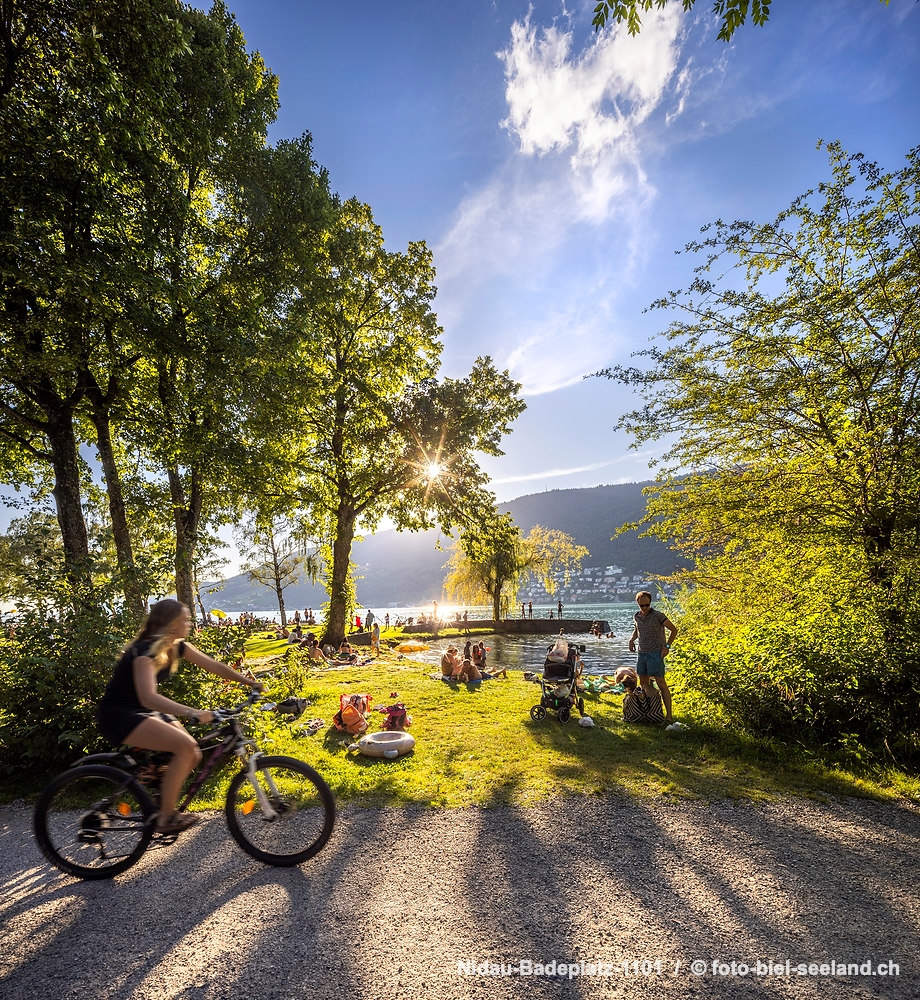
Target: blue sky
[(554, 172)]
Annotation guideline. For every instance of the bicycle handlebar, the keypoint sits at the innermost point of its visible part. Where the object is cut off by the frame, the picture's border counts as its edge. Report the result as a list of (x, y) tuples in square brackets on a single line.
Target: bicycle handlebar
[(224, 714)]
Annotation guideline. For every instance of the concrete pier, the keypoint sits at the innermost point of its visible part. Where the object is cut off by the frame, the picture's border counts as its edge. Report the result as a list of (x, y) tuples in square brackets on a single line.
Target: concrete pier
[(520, 626)]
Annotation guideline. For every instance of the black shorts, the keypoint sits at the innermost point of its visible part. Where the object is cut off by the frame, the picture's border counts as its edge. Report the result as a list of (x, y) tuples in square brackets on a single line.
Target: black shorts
[(117, 722)]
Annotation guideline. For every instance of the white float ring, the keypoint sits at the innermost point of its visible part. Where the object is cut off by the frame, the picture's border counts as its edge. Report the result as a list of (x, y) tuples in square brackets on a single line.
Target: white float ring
[(386, 744)]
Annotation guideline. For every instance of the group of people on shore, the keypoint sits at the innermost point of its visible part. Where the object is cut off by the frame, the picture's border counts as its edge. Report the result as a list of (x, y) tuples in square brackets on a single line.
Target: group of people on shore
[(471, 666)]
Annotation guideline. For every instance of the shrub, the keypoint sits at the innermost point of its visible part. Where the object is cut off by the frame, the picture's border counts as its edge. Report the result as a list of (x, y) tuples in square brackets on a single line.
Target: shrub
[(53, 670)]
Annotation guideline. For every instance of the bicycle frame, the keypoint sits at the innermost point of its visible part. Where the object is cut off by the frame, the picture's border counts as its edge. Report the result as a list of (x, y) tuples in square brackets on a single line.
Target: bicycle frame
[(249, 754)]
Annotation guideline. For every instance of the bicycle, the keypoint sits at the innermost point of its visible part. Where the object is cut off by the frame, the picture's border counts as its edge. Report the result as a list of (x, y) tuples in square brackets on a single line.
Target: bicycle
[(96, 819)]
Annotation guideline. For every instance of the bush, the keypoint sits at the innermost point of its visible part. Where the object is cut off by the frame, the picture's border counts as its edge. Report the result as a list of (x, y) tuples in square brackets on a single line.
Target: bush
[(53, 670), (812, 668)]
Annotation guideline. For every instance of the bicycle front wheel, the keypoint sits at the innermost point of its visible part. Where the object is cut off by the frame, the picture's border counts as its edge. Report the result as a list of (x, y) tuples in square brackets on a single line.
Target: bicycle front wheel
[(283, 814), (93, 822)]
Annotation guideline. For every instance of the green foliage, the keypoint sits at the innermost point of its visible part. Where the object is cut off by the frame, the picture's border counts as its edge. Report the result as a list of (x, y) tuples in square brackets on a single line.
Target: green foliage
[(53, 670), (732, 13), (492, 558), (792, 646), (790, 390)]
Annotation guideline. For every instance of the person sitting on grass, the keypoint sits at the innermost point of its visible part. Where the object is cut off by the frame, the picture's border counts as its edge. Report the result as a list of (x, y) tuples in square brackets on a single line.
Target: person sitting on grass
[(346, 653), (450, 662), (641, 705), (467, 671), (315, 651)]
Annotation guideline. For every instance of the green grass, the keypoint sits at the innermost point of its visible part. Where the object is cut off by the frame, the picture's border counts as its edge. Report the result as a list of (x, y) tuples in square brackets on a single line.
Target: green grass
[(476, 745)]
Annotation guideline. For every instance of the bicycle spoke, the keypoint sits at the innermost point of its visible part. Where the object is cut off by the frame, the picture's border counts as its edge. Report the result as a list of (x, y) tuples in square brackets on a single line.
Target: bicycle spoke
[(283, 814), (91, 822)]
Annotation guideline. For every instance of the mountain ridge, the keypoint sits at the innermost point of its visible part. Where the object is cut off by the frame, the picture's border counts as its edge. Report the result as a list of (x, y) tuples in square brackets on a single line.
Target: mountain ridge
[(406, 568)]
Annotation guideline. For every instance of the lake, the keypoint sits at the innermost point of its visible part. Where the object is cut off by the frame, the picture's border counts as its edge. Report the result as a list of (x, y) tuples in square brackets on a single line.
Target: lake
[(525, 652)]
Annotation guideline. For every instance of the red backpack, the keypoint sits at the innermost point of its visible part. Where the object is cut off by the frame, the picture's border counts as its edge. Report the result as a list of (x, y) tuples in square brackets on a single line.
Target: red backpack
[(396, 717)]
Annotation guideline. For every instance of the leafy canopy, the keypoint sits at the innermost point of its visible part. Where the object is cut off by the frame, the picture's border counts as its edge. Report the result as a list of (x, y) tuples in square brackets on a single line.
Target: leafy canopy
[(732, 13)]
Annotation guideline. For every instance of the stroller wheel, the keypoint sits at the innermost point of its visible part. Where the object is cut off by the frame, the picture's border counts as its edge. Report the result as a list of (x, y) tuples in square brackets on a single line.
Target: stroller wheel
[(581, 706), (564, 715), (538, 713)]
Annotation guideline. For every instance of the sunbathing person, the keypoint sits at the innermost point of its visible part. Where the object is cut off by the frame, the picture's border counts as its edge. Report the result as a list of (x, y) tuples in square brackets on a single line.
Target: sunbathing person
[(468, 671), (315, 651), (346, 653), (450, 662)]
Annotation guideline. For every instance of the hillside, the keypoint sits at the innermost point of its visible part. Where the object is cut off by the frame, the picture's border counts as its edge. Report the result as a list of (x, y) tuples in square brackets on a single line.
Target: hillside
[(402, 568)]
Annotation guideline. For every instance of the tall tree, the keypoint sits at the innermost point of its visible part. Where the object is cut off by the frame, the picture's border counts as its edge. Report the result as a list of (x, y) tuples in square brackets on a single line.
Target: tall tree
[(247, 214), (80, 92), (792, 392), (275, 557), (378, 434)]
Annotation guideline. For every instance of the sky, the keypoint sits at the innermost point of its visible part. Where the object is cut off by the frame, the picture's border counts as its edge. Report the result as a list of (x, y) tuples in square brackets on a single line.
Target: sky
[(555, 171)]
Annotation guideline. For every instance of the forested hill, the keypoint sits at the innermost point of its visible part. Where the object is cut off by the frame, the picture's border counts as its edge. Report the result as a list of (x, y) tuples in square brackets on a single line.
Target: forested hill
[(398, 567), (591, 516)]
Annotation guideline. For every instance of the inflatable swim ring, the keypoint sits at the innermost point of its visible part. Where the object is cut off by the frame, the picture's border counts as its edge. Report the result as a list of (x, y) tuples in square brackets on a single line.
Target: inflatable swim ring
[(411, 647), (386, 744)]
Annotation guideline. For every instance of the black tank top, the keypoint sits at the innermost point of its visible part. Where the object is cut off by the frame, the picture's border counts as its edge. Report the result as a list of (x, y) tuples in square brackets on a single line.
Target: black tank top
[(120, 691)]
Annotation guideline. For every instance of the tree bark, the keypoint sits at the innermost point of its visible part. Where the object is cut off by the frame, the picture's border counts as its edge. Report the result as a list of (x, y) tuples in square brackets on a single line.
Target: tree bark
[(67, 495), (186, 515), (339, 589), (134, 597), (279, 589)]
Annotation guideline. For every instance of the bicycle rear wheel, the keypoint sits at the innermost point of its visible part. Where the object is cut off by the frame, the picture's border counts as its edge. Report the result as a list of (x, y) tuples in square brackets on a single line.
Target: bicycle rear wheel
[(283, 815), (93, 821)]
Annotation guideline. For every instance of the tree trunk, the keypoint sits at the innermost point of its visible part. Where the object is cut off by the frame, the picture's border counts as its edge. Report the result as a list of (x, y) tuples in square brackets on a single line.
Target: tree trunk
[(877, 544), (186, 514), (279, 589), (134, 597), (67, 495), (339, 589)]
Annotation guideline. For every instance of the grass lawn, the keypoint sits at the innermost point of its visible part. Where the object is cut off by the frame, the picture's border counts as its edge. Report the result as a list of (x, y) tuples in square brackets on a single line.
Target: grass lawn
[(477, 745)]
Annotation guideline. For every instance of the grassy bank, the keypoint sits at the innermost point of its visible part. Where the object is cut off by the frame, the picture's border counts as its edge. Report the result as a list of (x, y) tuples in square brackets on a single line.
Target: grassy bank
[(477, 745)]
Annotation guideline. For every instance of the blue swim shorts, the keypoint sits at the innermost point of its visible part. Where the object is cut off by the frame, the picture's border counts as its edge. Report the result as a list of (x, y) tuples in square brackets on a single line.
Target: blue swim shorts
[(650, 665)]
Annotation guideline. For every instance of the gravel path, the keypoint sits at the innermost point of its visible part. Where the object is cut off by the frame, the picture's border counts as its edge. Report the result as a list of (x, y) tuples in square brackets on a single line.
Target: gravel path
[(399, 897)]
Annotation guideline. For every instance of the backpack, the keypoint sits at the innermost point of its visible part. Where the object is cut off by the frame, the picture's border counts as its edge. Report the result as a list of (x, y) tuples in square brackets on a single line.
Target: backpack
[(396, 717), (352, 714)]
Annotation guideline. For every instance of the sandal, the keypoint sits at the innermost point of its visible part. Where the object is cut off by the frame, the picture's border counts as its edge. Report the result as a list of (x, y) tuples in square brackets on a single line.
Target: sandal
[(177, 824)]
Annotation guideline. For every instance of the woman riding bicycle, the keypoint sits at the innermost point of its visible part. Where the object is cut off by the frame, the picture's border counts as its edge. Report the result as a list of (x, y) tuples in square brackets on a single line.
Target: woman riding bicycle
[(132, 711)]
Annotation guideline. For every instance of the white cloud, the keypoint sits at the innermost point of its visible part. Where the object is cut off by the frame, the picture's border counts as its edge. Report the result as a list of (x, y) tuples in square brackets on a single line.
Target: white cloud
[(557, 473), (534, 251)]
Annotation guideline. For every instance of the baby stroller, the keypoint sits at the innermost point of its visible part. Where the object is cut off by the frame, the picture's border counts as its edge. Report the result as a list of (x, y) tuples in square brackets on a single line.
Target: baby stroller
[(559, 693)]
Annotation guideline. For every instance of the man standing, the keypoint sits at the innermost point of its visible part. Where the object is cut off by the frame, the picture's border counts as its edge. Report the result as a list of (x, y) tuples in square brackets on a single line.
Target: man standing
[(559, 608), (653, 648)]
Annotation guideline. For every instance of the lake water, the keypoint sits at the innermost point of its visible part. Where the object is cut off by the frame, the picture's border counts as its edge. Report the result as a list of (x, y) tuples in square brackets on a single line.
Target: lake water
[(527, 652)]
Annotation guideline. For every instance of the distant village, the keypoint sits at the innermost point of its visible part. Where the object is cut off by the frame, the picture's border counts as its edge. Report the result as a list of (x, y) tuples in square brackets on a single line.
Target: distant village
[(594, 585)]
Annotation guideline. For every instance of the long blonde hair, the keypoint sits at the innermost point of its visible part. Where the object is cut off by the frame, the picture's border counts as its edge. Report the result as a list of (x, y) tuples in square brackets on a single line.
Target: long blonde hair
[(164, 650)]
